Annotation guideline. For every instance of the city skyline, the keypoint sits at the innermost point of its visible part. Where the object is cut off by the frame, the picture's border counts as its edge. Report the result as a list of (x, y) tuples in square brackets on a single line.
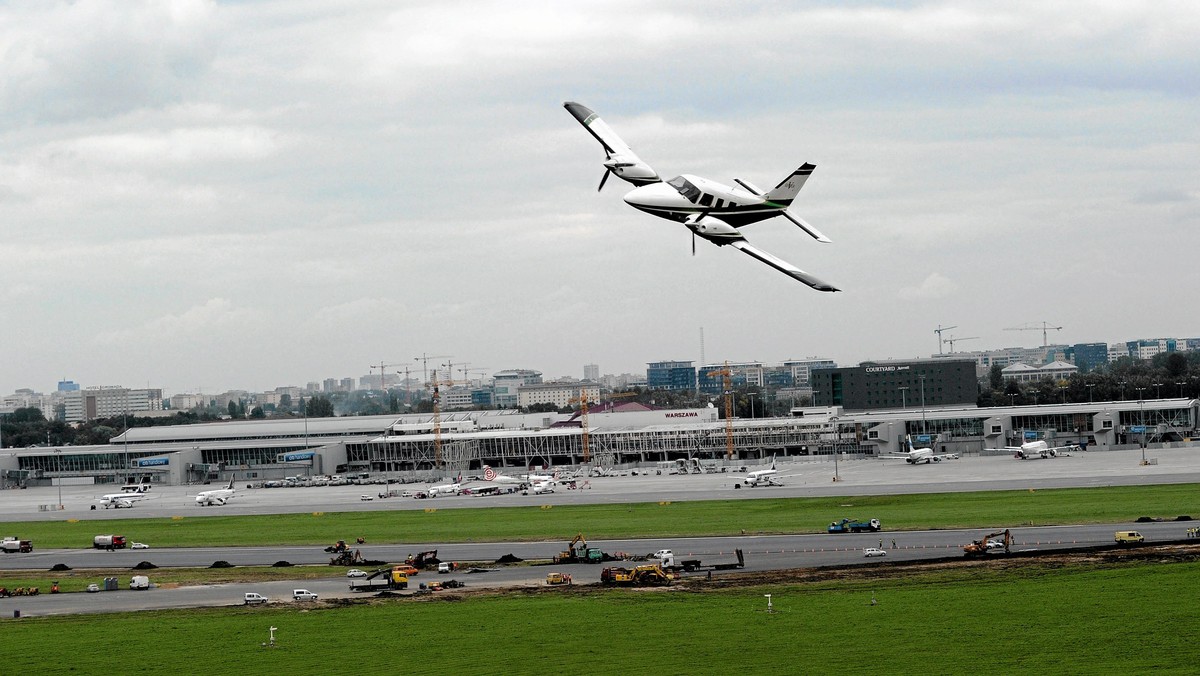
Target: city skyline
[(218, 195)]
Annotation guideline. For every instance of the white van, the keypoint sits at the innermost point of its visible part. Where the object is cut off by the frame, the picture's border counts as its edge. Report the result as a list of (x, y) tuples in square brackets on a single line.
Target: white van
[(139, 582), (254, 599), (445, 567), (303, 595)]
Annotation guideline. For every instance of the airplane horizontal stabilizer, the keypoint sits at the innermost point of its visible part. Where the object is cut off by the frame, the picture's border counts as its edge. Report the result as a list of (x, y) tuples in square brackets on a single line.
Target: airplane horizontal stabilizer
[(806, 227), (783, 266)]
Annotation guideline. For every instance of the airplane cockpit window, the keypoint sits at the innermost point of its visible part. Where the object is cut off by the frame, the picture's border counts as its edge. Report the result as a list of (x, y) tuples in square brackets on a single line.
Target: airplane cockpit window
[(685, 188), (706, 200)]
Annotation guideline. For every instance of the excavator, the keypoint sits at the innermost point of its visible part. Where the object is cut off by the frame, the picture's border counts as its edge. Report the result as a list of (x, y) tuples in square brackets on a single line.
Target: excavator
[(983, 546), (423, 559), (578, 552)]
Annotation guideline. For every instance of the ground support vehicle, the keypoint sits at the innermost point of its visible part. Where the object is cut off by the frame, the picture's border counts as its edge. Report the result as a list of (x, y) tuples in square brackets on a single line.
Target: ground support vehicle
[(347, 558), (651, 575), (303, 595), (1126, 537), (109, 542), (693, 565), (15, 545), (439, 585), (381, 580), (139, 582), (982, 546), (337, 547), (558, 578), (855, 526), (254, 599)]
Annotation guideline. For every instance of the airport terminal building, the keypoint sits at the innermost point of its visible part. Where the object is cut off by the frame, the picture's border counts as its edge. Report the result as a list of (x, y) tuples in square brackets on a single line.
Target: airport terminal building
[(412, 447)]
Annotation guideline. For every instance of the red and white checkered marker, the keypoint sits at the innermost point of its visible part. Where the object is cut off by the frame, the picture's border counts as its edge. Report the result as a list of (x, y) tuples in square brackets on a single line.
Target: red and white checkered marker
[(489, 474)]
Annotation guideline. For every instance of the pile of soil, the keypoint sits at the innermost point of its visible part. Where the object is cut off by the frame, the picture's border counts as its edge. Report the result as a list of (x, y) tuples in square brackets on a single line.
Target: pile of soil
[(509, 558), (145, 565), (60, 567), (282, 564), (221, 564)]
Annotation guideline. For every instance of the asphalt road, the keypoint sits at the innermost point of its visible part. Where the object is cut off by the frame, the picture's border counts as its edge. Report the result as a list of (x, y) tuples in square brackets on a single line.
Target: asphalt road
[(762, 553)]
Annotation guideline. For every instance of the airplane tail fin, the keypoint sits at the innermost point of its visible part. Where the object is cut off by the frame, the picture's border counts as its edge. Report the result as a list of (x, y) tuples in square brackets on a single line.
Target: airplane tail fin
[(789, 187), (230, 483), (908, 442), (772, 462)]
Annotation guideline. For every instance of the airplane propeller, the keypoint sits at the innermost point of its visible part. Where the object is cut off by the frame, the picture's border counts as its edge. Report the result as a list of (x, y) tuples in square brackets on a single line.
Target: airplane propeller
[(604, 178)]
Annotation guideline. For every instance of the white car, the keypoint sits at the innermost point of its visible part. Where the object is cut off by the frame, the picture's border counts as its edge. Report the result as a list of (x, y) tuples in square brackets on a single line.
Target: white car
[(994, 544), (93, 587), (139, 545), (874, 551), (303, 595), (354, 572), (254, 599)]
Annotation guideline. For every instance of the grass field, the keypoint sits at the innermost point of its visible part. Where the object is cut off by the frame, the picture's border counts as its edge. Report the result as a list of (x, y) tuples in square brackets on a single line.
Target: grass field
[(789, 515), (1031, 619), (77, 580)]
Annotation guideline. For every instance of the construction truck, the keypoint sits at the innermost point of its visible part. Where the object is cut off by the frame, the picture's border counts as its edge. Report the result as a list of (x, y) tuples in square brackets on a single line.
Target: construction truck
[(986, 544), (650, 575), (109, 542), (13, 545), (855, 526), (577, 551), (423, 559), (558, 578), (381, 580), (337, 547)]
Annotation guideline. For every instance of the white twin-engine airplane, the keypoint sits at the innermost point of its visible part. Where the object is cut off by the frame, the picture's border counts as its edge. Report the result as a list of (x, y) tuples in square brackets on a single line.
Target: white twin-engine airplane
[(709, 209), (916, 456), (217, 496), (121, 500), (763, 477), (1037, 449)]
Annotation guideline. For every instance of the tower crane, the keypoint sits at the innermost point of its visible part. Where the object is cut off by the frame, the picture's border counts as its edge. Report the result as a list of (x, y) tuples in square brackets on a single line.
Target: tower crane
[(435, 384), (381, 366), (1045, 328), (727, 383), (582, 400), (424, 359), (952, 339), (938, 331)]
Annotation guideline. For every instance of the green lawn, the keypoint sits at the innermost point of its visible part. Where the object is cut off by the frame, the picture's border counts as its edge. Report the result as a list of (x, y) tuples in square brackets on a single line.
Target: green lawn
[(695, 518), (1033, 619)]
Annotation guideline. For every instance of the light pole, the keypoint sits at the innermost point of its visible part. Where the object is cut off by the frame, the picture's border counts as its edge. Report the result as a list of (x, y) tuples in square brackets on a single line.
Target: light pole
[(1181, 384), (752, 395), (58, 457), (903, 398), (836, 437), (1012, 400), (923, 430), (1090, 386), (1122, 384), (1158, 390), (1063, 389), (1142, 422)]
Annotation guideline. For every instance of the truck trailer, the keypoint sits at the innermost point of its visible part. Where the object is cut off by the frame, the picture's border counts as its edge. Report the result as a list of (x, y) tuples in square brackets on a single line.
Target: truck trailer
[(382, 580), (109, 542)]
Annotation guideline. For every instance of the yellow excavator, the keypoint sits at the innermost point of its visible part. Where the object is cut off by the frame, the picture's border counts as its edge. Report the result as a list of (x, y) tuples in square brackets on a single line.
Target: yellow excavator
[(982, 546)]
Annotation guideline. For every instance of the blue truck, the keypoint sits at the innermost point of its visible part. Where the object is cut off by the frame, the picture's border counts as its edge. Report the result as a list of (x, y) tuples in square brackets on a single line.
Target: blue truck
[(855, 526)]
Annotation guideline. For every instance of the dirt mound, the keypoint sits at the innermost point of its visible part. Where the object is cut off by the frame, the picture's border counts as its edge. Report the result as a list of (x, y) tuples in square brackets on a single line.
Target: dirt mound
[(145, 565), (509, 558), (60, 567), (282, 564), (221, 564)]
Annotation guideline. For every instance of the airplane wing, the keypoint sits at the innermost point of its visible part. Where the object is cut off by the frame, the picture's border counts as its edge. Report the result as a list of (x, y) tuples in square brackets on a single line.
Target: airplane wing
[(621, 160), (782, 266)]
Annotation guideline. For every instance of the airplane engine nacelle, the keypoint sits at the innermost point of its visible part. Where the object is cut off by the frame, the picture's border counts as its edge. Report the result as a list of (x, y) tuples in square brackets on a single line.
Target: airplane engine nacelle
[(714, 229), (631, 169)]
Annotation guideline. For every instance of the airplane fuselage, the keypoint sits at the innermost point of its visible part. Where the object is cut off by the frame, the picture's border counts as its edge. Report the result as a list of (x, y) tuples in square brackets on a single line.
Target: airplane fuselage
[(689, 196)]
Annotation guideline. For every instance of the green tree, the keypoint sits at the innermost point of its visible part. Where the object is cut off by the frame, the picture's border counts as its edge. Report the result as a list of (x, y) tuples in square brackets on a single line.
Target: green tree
[(258, 413), (319, 407), (233, 409)]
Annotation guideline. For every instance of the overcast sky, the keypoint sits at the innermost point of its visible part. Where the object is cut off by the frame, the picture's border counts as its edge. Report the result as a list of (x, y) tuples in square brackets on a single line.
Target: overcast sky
[(211, 195)]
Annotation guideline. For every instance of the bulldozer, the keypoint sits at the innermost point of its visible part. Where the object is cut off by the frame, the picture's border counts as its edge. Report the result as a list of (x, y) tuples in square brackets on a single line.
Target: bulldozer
[(982, 546), (347, 558), (650, 575)]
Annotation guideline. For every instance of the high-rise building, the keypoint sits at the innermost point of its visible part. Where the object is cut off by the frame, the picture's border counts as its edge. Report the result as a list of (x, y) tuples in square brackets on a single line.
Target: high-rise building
[(105, 402), (591, 372), (671, 375)]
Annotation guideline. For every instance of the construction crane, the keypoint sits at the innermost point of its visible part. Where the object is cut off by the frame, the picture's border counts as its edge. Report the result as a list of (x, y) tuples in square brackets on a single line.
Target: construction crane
[(1045, 329), (582, 400), (727, 383), (381, 366), (435, 384), (951, 340), (424, 359), (938, 331)]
